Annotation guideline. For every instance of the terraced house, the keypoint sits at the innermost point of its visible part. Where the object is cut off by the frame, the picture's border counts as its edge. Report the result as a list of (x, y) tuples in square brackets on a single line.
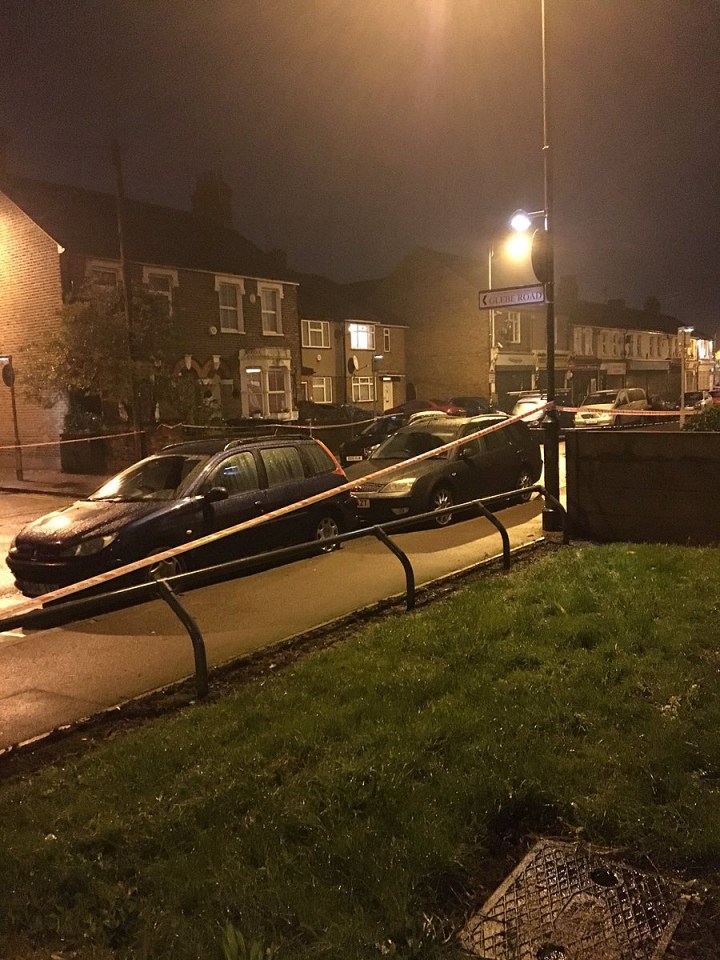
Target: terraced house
[(237, 305)]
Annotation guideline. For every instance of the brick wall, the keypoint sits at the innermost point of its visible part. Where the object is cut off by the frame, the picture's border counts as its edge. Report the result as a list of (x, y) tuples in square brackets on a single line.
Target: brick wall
[(447, 340), (30, 296)]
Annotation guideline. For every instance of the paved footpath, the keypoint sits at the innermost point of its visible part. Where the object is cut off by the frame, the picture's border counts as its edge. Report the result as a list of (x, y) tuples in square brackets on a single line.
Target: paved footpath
[(53, 677)]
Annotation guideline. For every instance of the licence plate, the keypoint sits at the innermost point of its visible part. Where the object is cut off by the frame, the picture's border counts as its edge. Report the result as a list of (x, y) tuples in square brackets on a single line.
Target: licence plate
[(363, 503), (353, 459)]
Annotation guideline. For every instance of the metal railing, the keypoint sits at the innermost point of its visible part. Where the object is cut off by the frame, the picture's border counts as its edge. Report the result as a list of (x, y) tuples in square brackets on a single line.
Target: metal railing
[(64, 611)]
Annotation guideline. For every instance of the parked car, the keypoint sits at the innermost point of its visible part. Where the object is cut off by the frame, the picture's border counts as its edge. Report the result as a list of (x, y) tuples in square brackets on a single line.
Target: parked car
[(692, 400), (186, 491), (415, 406), (508, 459), (698, 400), (531, 402), (473, 406), (359, 448), (605, 405), (311, 412)]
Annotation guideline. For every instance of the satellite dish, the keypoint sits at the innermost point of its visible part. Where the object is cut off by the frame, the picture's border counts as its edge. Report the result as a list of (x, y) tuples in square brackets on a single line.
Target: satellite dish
[(353, 364)]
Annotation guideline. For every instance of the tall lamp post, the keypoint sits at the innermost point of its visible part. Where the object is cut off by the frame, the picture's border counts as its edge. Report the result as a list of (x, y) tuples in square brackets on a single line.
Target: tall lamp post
[(492, 391), (552, 519), (682, 333), (543, 266)]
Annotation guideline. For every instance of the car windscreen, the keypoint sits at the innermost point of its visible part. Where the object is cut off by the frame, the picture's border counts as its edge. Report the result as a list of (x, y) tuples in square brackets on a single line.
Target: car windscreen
[(163, 477), (410, 442), (382, 427), (593, 399)]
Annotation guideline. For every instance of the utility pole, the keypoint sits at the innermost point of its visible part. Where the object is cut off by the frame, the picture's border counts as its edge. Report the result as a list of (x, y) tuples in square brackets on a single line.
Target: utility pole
[(127, 297), (552, 520)]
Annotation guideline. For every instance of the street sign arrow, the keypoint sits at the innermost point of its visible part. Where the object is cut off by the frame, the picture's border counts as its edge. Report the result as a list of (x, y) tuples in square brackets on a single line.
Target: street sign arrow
[(511, 297)]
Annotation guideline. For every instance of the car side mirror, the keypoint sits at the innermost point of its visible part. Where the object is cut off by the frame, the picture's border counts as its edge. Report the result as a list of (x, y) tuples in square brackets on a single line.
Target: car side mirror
[(215, 494)]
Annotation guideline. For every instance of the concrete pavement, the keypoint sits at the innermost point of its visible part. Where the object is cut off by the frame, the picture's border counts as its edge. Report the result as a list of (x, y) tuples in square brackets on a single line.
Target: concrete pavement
[(49, 678)]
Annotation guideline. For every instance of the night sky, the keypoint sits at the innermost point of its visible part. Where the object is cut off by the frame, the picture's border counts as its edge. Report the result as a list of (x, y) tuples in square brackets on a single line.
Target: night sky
[(352, 131)]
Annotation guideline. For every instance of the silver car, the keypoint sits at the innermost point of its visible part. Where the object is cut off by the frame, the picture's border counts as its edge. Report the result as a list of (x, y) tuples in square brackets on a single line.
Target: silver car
[(606, 408)]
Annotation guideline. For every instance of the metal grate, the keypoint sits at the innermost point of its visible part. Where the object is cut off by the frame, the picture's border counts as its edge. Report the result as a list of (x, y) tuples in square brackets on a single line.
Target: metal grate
[(565, 902)]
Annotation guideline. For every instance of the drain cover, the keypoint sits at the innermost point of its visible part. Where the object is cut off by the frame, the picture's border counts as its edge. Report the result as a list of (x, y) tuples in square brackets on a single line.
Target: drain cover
[(565, 902)]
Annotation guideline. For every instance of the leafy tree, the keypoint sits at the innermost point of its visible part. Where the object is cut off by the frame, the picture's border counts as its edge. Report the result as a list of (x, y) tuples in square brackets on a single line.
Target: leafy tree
[(90, 353)]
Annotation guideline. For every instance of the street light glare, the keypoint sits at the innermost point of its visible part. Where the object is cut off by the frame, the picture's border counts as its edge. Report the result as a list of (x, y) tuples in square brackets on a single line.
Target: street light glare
[(520, 221), (518, 246)]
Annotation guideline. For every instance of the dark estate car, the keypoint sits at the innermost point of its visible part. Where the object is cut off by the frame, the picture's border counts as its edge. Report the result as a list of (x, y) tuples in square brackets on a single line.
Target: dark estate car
[(507, 459), (473, 406), (415, 406), (360, 448), (185, 492)]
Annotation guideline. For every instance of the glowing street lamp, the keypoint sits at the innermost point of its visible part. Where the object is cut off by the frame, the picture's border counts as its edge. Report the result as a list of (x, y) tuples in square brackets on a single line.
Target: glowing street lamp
[(542, 262), (683, 333)]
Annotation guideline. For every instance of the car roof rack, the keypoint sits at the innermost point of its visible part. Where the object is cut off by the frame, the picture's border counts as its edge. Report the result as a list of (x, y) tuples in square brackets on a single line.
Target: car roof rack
[(253, 438)]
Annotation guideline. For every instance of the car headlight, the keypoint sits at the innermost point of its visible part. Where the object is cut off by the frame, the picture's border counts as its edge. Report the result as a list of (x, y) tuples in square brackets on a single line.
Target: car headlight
[(399, 487), (86, 548)]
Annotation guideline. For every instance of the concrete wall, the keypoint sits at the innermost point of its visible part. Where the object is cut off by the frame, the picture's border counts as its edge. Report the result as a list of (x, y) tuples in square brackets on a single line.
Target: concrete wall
[(643, 486)]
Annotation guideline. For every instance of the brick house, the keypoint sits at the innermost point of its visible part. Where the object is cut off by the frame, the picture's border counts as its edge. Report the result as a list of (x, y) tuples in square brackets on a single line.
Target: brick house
[(452, 345), (350, 353), (236, 305), (613, 345), (454, 348)]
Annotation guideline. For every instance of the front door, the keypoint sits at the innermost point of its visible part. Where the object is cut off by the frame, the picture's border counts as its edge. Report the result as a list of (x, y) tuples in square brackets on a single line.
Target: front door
[(387, 399)]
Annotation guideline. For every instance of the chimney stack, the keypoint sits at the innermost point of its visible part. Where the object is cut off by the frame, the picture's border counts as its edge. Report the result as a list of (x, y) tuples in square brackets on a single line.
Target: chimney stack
[(212, 198)]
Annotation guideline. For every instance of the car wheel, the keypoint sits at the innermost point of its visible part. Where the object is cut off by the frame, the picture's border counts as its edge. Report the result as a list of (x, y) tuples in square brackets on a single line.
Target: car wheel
[(442, 497), (524, 481), (327, 527)]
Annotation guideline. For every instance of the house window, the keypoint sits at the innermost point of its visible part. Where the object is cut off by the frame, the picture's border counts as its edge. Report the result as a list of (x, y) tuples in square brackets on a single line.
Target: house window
[(321, 390), (386, 340), (316, 333), (230, 292), (161, 283), (587, 341), (103, 274), (513, 325), (277, 401), (254, 393), (362, 336), (363, 388), (270, 300)]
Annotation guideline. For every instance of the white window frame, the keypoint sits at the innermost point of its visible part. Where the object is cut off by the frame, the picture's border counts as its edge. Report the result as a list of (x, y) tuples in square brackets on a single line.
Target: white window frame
[(386, 340), (363, 385), (320, 389), (282, 392), (316, 334), (362, 336), (103, 266), (276, 330), (513, 319), (224, 311), (171, 275)]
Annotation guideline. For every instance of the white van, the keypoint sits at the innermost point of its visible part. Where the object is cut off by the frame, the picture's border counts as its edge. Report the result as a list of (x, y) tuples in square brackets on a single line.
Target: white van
[(602, 408)]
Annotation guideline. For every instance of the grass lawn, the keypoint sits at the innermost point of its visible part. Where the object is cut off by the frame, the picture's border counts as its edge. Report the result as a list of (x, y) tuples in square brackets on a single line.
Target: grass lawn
[(359, 803)]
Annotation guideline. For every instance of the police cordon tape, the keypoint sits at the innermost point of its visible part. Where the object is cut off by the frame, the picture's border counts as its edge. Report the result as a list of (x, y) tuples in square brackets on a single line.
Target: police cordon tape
[(38, 602), (292, 425), (688, 411), (57, 443)]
